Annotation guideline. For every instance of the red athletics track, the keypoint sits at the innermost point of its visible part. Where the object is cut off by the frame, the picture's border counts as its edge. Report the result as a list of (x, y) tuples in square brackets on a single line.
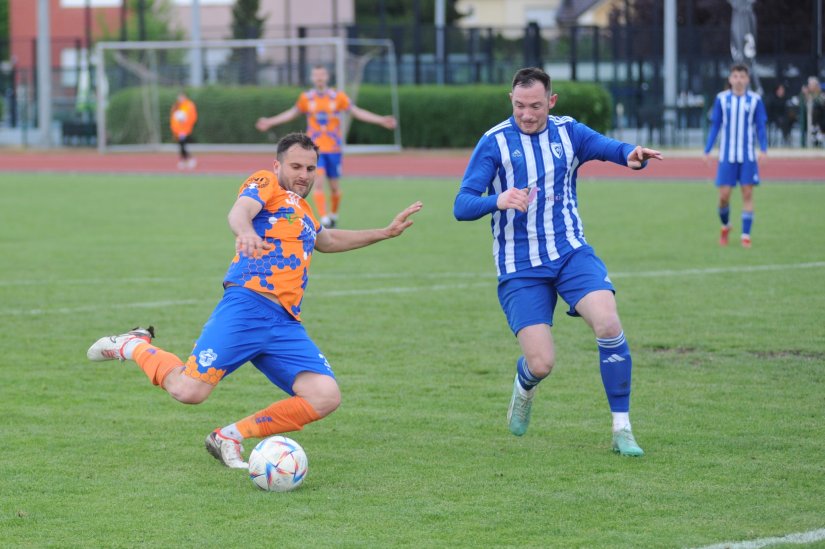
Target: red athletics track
[(784, 165)]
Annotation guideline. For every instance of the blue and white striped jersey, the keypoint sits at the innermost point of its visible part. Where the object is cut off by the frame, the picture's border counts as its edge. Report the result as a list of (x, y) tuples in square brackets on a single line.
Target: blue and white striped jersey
[(741, 120), (548, 162)]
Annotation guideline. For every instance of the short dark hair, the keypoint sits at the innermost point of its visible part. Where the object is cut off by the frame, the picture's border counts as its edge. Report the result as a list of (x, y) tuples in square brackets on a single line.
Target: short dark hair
[(740, 67), (526, 77), (295, 138)]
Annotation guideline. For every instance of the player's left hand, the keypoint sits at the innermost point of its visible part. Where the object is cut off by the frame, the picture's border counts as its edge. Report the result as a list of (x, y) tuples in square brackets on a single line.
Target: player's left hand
[(389, 122), (640, 155), (402, 222)]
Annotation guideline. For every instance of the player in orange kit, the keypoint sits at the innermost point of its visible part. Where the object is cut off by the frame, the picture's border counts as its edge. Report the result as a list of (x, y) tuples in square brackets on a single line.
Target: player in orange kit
[(323, 106), (258, 319), (182, 118)]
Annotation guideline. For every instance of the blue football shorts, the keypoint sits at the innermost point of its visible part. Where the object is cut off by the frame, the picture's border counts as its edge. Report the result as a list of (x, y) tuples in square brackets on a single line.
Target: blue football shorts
[(530, 297), (331, 164), (247, 327), (728, 173)]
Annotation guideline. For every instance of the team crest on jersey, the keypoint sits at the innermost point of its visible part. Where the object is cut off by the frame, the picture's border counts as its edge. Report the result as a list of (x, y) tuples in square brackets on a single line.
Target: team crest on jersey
[(256, 182), (292, 199), (556, 148)]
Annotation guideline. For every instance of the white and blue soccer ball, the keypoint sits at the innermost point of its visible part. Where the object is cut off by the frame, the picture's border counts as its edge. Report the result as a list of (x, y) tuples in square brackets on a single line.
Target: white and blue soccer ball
[(278, 464)]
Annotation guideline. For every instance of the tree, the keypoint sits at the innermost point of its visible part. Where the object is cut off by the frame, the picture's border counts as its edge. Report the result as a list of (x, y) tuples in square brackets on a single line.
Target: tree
[(246, 25), (402, 12)]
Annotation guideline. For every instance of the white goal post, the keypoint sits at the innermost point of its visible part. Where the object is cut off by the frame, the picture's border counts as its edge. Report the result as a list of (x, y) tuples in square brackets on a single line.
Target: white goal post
[(147, 72)]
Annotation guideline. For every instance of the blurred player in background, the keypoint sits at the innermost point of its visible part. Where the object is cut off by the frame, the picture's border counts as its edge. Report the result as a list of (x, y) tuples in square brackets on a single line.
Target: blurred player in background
[(527, 167), (323, 107), (182, 118), (258, 320), (739, 115)]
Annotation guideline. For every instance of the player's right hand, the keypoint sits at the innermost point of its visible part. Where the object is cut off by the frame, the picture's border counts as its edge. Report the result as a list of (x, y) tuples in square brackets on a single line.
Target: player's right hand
[(262, 124), (251, 245), (513, 199)]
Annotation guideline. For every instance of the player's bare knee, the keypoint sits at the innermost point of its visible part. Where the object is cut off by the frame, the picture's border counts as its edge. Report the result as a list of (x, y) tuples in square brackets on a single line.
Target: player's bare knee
[(325, 401), (607, 327), (541, 363)]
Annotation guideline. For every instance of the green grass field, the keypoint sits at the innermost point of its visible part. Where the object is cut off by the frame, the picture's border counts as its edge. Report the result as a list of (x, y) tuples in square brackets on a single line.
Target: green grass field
[(728, 397)]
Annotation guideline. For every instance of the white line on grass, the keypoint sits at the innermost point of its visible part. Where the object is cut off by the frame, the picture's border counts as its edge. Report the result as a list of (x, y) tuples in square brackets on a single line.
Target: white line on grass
[(797, 539), (489, 281)]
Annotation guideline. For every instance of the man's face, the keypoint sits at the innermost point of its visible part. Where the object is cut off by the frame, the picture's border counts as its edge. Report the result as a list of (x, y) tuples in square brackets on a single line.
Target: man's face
[(531, 105), (296, 170), (320, 78), (739, 81)]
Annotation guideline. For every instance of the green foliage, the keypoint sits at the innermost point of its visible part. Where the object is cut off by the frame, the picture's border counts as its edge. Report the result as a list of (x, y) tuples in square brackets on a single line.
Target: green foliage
[(245, 20), (4, 30), (368, 12), (431, 116), (157, 20), (728, 380)]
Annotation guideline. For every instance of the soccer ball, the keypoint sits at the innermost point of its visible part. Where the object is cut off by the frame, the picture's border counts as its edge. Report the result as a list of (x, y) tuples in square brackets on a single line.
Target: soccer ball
[(277, 464)]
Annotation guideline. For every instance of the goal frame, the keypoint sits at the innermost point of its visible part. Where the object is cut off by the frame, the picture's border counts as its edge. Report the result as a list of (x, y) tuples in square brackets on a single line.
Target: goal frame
[(340, 46)]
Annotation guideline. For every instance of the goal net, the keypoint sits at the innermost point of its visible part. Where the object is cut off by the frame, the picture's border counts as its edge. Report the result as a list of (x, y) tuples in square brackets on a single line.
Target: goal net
[(233, 83)]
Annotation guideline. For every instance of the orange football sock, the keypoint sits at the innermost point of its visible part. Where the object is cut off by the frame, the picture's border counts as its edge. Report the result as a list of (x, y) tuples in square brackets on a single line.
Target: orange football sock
[(320, 200), (336, 201), (290, 414), (155, 363)]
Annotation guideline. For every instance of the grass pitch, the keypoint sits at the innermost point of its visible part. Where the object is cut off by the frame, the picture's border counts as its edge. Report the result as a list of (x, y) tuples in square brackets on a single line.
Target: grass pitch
[(728, 396)]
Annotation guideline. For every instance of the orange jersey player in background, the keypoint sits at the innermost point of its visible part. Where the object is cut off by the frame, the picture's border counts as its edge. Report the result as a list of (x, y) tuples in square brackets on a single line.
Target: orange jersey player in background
[(258, 319), (182, 118), (323, 107)]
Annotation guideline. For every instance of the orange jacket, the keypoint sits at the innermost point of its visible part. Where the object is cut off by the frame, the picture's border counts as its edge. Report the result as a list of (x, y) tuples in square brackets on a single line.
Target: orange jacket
[(182, 118)]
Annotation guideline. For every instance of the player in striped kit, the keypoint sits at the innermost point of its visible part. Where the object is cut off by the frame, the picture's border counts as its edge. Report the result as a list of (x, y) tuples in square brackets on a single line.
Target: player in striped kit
[(740, 115), (523, 172)]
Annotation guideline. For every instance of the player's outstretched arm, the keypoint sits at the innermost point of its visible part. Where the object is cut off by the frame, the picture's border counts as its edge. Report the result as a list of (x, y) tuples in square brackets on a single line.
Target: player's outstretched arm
[(640, 155), (340, 240), (364, 115), (264, 123)]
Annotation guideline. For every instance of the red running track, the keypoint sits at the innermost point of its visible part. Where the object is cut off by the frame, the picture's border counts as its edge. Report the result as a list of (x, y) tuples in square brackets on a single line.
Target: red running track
[(790, 166)]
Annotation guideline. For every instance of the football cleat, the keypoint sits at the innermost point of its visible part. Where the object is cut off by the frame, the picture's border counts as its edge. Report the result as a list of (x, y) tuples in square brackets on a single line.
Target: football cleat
[(226, 450), (518, 415), (746, 241), (326, 222), (624, 443), (111, 347), (723, 235)]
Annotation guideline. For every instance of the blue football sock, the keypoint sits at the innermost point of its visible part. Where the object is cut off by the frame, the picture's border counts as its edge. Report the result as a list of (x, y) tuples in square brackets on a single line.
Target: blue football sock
[(525, 377), (724, 215), (616, 364), (747, 221)]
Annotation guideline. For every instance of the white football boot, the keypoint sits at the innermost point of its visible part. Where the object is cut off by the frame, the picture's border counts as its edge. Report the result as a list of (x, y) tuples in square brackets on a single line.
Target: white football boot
[(111, 347), (226, 450)]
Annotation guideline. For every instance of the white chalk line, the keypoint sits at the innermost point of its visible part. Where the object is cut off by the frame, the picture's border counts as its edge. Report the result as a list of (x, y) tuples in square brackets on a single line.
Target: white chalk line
[(797, 538), (488, 281)]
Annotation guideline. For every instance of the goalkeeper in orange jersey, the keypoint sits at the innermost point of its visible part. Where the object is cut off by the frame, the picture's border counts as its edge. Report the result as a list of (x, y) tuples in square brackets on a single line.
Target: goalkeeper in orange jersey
[(323, 106), (258, 319), (182, 118)]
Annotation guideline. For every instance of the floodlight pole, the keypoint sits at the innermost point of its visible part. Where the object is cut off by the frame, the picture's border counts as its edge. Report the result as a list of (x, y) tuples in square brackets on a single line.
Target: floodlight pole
[(44, 75), (670, 72), (197, 52)]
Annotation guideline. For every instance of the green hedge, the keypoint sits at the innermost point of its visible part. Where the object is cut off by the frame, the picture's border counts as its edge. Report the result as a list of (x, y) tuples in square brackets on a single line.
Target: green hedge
[(431, 116)]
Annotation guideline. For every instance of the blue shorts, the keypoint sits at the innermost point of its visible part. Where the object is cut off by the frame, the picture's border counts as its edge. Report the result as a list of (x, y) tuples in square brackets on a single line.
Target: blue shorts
[(530, 296), (246, 326), (331, 164), (728, 173)]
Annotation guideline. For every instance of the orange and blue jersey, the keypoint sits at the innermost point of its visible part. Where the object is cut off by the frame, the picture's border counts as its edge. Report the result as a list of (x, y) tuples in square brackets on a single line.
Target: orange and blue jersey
[(323, 111), (287, 223)]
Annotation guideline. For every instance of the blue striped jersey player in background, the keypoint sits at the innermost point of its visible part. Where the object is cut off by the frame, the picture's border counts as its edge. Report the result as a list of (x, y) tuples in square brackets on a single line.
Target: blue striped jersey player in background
[(739, 118), (523, 172)]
